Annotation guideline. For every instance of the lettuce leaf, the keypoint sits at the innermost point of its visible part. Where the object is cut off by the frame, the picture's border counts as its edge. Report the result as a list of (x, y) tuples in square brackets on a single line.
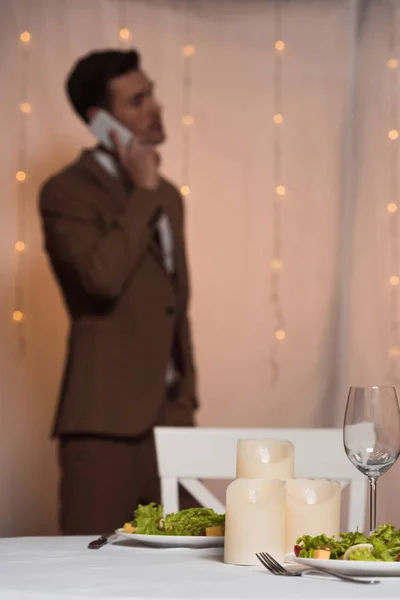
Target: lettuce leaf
[(147, 518), (362, 554), (381, 551), (309, 544), (192, 521), (385, 541)]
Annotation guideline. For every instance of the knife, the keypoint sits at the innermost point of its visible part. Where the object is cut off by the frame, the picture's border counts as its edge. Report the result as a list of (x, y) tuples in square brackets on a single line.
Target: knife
[(106, 538)]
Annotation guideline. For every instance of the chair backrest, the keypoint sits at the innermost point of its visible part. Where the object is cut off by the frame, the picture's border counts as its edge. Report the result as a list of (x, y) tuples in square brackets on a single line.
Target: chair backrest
[(187, 454)]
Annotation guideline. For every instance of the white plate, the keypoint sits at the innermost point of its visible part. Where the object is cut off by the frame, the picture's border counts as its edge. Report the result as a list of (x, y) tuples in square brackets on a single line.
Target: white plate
[(174, 541), (350, 567)]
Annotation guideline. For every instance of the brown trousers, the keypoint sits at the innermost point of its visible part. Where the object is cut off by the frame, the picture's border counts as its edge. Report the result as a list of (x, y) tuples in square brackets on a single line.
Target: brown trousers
[(103, 479)]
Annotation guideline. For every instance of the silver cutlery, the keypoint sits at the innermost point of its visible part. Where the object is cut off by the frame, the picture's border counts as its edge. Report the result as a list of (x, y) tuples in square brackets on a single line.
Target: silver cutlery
[(277, 569)]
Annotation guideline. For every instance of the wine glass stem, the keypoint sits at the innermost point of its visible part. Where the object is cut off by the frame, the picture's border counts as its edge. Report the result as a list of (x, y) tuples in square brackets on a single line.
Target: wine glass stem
[(372, 503)]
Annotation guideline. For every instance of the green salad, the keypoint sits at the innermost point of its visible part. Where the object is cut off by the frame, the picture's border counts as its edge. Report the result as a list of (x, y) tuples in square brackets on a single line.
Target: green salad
[(382, 545), (149, 519)]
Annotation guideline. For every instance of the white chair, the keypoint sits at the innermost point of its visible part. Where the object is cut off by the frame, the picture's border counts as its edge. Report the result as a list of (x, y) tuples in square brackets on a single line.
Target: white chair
[(187, 454)]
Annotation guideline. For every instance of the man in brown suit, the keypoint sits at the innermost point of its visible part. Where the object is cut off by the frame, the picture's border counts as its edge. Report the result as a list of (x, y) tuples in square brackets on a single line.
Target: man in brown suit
[(114, 232)]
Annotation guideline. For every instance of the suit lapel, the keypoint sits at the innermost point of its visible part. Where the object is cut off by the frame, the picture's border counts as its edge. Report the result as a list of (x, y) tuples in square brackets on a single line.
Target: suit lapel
[(118, 188), (112, 184)]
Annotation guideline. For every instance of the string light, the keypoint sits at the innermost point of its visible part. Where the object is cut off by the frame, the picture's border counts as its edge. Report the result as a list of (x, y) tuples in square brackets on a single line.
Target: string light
[(20, 246), (20, 176), (185, 190), (25, 37), (124, 34), (25, 107), (280, 190), (392, 63), (188, 51), (276, 264)]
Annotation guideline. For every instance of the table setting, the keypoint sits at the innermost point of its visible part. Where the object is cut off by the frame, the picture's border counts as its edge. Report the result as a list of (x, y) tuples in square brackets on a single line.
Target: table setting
[(279, 537)]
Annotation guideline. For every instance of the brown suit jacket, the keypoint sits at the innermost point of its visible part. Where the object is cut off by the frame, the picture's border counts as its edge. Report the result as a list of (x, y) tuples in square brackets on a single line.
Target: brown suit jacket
[(127, 313)]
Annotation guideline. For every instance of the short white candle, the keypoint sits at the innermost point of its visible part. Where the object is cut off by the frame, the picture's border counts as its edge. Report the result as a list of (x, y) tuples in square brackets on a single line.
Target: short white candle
[(254, 520), (265, 459), (312, 508)]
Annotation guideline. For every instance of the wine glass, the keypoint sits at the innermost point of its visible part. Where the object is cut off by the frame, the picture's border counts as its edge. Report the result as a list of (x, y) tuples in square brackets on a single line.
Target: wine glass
[(371, 435)]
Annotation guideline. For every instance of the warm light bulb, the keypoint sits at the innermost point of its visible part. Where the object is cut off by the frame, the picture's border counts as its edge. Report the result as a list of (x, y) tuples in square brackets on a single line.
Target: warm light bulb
[(188, 50), (278, 119), (18, 315), (393, 134), (280, 190), (280, 335), (20, 246), (394, 351), (394, 280), (276, 264), (187, 120), (392, 63), (124, 33), (20, 176), (279, 45), (185, 190), (25, 107), (25, 37), (392, 207)]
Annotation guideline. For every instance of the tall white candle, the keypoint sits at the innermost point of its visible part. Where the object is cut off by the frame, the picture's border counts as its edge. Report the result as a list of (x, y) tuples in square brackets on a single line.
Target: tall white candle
[(312, 508), (254, 520), (265, 459)]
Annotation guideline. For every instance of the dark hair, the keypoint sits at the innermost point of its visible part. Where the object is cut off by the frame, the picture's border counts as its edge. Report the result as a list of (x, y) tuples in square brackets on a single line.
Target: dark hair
[(87, 82)]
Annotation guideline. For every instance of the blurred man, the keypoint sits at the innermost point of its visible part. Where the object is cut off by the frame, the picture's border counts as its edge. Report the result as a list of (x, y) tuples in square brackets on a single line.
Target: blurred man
[(114, 232)]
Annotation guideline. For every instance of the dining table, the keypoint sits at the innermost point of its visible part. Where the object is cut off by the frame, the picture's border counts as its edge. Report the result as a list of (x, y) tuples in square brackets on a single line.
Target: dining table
[(63, 568)]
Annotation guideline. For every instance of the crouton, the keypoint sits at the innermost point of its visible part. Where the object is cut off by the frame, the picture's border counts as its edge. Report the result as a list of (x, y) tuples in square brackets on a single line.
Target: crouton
[(128, 528), (322, 553), (217, 530)]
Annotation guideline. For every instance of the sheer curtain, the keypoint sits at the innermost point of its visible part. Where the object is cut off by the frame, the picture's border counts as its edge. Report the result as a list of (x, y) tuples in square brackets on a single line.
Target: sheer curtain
[(334, 295)]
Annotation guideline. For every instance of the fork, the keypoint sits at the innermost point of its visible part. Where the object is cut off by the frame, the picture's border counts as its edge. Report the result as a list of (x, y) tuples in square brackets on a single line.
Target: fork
[(277, 569)]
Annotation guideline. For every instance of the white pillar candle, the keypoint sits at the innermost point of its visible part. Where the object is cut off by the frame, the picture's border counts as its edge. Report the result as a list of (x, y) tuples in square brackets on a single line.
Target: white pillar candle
[(265, 459), (254, 520), (312, 508)]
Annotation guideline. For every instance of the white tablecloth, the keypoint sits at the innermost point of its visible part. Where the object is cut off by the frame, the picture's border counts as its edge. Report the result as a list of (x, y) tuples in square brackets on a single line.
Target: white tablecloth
[(62, 568)]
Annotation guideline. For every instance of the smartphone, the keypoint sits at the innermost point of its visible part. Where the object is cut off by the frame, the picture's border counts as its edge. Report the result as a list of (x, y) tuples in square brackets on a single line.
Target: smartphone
[(103, 123)]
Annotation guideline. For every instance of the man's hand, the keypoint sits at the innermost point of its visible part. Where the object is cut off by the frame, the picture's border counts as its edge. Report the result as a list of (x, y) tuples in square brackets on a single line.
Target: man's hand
[(139, 161)]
